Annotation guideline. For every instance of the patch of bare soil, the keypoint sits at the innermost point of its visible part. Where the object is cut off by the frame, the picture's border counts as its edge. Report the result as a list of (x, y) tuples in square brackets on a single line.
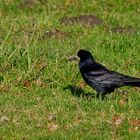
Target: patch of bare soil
[(90, 20), (124, 30), (27, 4)]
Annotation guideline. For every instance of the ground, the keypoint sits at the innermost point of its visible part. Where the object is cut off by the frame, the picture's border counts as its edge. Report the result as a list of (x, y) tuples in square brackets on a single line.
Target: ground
[(42, 94)]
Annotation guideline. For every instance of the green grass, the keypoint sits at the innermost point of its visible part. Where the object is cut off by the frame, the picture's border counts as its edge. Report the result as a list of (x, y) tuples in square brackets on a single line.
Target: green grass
[(31, 111)]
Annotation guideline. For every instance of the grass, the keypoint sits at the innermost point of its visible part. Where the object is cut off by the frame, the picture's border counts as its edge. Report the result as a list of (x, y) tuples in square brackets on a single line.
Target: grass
[(36, 80)]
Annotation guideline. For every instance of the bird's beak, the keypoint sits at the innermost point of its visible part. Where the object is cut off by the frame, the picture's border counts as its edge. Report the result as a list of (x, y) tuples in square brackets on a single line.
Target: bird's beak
[(73, 58)]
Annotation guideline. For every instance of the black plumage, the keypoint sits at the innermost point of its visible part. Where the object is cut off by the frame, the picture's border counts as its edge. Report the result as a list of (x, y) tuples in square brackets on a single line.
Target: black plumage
[(100, 78)]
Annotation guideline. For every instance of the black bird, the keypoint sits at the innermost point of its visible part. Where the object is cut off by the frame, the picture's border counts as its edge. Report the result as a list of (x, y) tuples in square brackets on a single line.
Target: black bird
[(100, 78)]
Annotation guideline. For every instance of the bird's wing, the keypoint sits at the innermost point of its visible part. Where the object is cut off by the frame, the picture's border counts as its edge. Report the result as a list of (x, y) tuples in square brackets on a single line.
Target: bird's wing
[(106, 77)]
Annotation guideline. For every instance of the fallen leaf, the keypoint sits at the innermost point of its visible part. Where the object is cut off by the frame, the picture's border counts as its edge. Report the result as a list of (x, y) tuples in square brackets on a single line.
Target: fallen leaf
[(4, 88), (133, 129), (52, 127), (26, 83), (4, 119), (117, 120), (55, 33), (51, 117), (134, 122), (39, 82)]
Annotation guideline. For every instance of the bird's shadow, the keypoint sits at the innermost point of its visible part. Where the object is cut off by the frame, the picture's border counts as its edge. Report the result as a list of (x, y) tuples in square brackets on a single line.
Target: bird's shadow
[(79, 92)]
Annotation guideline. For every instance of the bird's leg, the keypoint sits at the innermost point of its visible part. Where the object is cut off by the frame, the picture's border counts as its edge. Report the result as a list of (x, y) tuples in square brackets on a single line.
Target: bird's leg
[(103, 96), (98, 95)]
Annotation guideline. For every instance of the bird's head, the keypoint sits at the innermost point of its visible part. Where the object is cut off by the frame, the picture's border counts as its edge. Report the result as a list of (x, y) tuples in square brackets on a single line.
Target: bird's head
[(84, 55)]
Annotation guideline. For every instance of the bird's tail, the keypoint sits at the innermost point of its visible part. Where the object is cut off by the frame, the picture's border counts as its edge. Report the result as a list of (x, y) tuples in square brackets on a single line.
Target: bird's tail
[(134, 82)]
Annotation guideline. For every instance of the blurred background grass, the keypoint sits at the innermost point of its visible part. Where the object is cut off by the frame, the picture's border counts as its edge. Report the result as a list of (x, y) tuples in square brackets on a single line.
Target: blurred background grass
[(39, 86)]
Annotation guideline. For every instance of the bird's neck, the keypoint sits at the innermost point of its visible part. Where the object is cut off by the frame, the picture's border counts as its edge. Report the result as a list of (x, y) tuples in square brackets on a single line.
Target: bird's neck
[(86, 64)]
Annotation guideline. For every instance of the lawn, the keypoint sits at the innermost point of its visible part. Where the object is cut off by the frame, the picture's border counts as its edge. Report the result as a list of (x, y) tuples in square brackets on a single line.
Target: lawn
[(42, 94)]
